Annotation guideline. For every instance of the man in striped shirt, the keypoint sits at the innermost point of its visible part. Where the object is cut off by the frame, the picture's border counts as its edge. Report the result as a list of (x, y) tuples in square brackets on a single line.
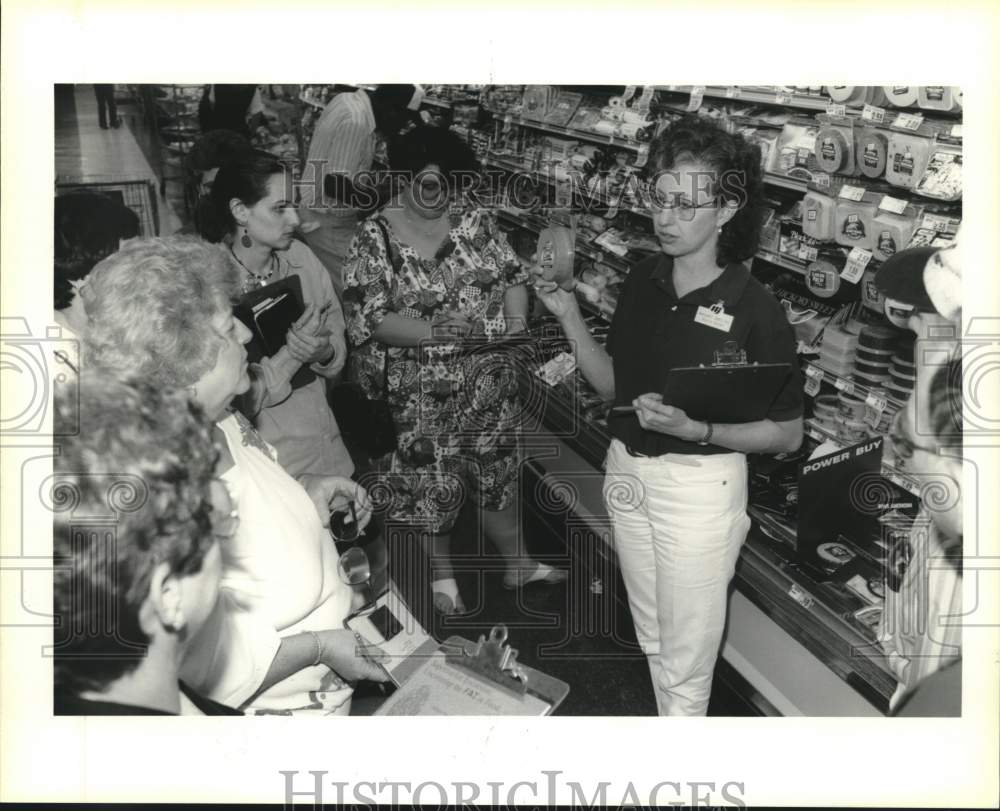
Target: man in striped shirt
[(350, 136)]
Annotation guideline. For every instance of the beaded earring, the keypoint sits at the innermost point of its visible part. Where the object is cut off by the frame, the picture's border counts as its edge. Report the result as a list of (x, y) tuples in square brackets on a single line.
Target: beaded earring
[(245, 239)]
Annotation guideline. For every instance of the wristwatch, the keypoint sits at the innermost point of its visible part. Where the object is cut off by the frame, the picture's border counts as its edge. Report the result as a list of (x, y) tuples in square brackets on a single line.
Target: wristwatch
[(707, 438)]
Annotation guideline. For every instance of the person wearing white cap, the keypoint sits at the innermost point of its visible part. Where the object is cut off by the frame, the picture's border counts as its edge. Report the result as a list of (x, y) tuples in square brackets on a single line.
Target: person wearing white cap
[(350, 136)]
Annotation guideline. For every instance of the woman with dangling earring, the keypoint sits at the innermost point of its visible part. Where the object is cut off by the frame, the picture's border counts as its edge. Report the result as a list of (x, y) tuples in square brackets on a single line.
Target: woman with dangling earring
[(255, 219)]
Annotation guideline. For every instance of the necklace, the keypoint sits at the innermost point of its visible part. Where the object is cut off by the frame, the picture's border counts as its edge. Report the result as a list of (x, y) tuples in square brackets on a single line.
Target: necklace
[(255, 280)]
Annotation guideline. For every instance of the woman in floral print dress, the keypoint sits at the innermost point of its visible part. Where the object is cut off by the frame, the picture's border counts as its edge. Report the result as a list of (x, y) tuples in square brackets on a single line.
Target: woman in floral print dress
[(427, 289)]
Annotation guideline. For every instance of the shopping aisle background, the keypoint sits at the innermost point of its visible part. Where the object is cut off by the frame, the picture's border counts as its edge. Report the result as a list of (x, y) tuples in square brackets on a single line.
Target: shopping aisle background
[(86, 153)]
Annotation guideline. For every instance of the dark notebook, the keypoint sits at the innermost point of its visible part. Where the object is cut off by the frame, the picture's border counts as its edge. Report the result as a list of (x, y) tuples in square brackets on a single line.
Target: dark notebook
[(269, 313)]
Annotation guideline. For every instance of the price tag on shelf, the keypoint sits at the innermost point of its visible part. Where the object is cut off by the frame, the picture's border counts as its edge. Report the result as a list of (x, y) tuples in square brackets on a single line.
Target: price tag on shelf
[(797, 593), (956, 130), (854, 193), (892, 204), (821, 179), (812, 386), (807, 253), (872, 113), (857, 261), (643, 156), (839, 110), (629, 92), (844, 385), (783, 98), (908, 121), (814, 372), (733, 92), (873, 415), (697, 94), (935, 222), (802, 348)]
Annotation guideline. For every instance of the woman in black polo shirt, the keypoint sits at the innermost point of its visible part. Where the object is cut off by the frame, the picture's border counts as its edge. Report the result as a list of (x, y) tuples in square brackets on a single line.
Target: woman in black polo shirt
[(676, 488)]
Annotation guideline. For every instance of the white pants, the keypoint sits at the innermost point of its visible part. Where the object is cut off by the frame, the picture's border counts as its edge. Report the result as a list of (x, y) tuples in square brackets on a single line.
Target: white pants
[(679, 522)]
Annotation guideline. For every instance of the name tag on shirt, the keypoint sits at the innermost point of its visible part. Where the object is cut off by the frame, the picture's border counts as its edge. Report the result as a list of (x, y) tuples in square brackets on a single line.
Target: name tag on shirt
[(715, 317)]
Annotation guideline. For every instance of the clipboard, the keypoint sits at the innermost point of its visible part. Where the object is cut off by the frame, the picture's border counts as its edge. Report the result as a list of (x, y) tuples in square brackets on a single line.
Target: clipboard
[(725, 393), (464, 678)]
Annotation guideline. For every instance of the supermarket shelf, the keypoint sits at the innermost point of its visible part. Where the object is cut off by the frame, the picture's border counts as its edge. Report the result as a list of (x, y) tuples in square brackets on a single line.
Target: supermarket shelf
[(432, 102), (890, 473), (852, 386), (593, 137), (784, 182), (799, 101), (785, 262)]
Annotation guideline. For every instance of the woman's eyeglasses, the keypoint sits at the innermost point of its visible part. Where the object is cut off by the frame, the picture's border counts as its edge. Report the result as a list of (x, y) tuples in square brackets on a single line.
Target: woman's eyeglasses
[(683, 208)]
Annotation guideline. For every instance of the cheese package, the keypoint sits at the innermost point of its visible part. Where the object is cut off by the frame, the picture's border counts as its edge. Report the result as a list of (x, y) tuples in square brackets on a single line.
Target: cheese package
[(870, 152), (901, 95), (871, 296), (942, 179), (936, 97), (819, 213), (835, 146), (794, 152), (853, 224), (893, 232), (907, 159), (851, 95)]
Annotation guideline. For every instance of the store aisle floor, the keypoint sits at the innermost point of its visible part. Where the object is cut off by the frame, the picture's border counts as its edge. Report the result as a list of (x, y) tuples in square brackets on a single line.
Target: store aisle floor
[(86, 153)]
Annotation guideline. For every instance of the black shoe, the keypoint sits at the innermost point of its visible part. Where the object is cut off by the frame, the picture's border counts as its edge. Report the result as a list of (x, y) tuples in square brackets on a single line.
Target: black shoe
[(104, 126)]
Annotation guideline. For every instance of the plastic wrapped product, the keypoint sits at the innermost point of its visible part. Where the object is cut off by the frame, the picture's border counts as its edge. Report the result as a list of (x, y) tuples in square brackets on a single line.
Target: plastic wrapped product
[(819, 214), (871, 150), (835, 149), (854, 224), (892, 232), (901, 95), (936, 97), (851, 95), (907, 159), (942, 179)]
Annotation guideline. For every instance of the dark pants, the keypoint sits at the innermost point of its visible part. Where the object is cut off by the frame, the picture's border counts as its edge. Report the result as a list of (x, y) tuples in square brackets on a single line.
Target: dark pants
[(107, 110)]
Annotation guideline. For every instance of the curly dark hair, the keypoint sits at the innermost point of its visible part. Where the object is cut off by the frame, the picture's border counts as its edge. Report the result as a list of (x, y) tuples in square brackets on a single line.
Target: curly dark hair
[(243, 178), (130, 491), (88, 227), (735, 163), (425, 146)]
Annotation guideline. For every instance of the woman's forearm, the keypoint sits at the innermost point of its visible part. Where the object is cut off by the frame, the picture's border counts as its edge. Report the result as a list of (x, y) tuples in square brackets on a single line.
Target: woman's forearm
[(399, 330), (763, 436), (591, 359), (296, 652), (515, 308)]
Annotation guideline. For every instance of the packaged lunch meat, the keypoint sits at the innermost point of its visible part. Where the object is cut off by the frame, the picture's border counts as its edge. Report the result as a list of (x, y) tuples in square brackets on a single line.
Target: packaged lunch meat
[(835, 147), (892, 232), (907, 158), (942, 179), (819, 214), (871, 150), (936, 97), (853, 225), (851, 95), (901, 95)]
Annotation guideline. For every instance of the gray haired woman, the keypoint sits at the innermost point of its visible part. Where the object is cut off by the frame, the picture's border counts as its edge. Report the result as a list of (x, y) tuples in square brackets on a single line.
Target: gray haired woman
[(160, 311)]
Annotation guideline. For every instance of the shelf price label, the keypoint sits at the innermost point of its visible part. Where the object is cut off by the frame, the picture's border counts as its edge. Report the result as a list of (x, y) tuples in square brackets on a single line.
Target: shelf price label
[(956, 130), (733, 92), (812, 386), (935, 222), (838, 110), (697, 94), (782, 98), (874, 408), (797, 593), (821, 179), (857, 261), (872, 113), (892, 204), (908, 121), (808, 254), (844, 385), (853, 193)]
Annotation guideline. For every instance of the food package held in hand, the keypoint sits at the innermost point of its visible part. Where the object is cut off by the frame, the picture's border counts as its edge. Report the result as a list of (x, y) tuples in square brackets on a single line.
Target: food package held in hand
[(556, 253)]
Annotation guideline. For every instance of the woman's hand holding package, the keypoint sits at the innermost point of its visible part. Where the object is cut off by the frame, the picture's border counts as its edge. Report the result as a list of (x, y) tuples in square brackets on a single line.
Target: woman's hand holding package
[(350, 657), (559, 301), (329, 493), (653, 415)]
